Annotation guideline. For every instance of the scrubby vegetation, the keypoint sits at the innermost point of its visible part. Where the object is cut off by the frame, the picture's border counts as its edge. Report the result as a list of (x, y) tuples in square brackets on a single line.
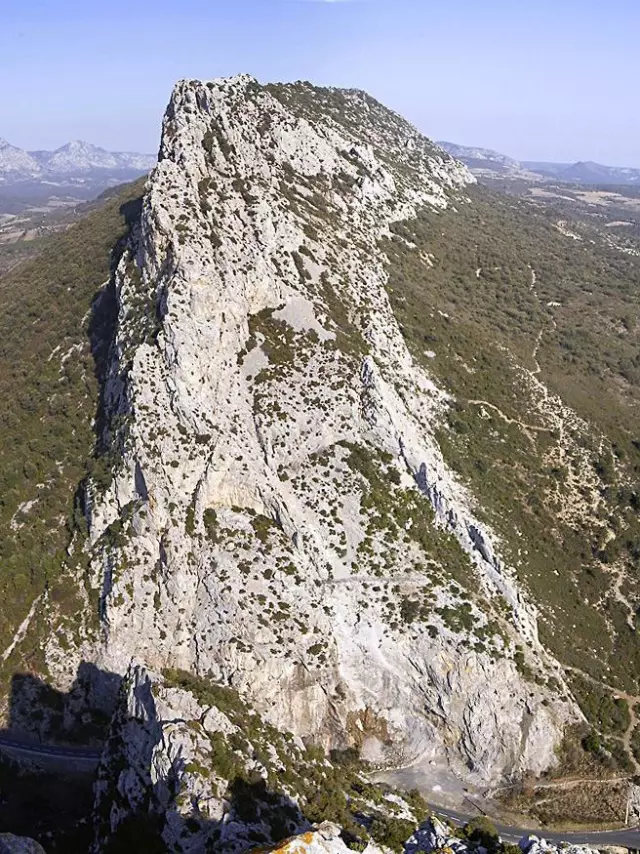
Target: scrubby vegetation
[(372, 125), (594, 788), (54, 329), (493, 300), (396, 511)]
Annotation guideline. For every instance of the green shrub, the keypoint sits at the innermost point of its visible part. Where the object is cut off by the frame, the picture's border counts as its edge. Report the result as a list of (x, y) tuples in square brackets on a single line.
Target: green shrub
[(482, 831)]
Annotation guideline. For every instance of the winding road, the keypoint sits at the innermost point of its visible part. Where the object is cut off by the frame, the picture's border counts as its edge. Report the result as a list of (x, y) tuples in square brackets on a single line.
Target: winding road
[(83, 755), (627, 837)]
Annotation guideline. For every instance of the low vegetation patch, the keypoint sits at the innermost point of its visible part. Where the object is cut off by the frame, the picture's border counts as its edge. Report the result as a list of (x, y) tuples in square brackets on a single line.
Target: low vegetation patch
[(55, 325)]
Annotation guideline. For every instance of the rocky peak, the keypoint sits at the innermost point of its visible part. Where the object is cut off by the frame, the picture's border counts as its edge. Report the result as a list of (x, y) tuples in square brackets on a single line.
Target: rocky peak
[(78, 156), (14, 160), (278, 514)]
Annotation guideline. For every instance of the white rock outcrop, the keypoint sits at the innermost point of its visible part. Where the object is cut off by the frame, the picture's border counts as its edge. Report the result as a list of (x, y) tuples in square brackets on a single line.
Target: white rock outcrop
[(180, 770), (324, 839), (190, 766), (434, 835), (159, 769), (537, 845)]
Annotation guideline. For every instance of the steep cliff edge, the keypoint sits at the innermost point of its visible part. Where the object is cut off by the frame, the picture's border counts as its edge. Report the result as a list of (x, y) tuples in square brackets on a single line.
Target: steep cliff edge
[(277, 514)]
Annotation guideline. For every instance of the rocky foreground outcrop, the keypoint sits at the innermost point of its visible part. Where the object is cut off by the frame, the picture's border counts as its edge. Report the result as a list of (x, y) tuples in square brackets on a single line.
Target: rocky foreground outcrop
[(11, 844), (277, 515), (431, 836), (189, 763), (325, 839), (190, 767)]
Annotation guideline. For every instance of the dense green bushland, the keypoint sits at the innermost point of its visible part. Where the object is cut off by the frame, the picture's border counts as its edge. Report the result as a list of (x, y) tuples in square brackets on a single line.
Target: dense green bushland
[(54, 327)]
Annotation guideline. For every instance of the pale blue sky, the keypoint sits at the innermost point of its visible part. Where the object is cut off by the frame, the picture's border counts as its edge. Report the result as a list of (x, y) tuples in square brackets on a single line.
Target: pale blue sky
[(537, 80)]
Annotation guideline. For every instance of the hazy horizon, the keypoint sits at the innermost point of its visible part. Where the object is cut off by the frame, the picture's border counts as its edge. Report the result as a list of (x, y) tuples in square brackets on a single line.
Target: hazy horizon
[(534, 82)]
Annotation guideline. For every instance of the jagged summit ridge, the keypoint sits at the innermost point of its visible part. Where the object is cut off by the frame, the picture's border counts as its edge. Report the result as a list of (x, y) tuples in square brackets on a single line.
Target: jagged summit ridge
[(280, 516)]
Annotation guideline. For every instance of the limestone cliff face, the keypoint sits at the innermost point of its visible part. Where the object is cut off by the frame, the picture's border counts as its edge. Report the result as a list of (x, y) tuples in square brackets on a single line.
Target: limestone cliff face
[(280, 516), (188, 763)]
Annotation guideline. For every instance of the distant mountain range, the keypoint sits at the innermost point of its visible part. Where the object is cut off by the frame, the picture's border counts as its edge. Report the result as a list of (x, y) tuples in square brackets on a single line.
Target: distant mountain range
[(488, 163), (74, 161)]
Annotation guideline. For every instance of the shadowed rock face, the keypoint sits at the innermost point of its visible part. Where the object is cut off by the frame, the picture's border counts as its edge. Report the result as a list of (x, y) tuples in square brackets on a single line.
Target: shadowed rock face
[(10, 844), (179, 774), (280, 515)]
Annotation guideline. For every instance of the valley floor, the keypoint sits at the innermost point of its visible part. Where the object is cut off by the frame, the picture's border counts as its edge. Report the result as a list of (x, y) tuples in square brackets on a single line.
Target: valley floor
[(454, 798)]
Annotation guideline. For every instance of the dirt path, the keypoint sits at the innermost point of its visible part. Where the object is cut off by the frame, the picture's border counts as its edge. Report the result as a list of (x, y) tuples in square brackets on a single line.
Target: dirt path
[(627, 739), (534, 355), (579, 781), (552, 320), (577, 490), (11, 267), (527, 429), (619, 578), (576, 496)]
